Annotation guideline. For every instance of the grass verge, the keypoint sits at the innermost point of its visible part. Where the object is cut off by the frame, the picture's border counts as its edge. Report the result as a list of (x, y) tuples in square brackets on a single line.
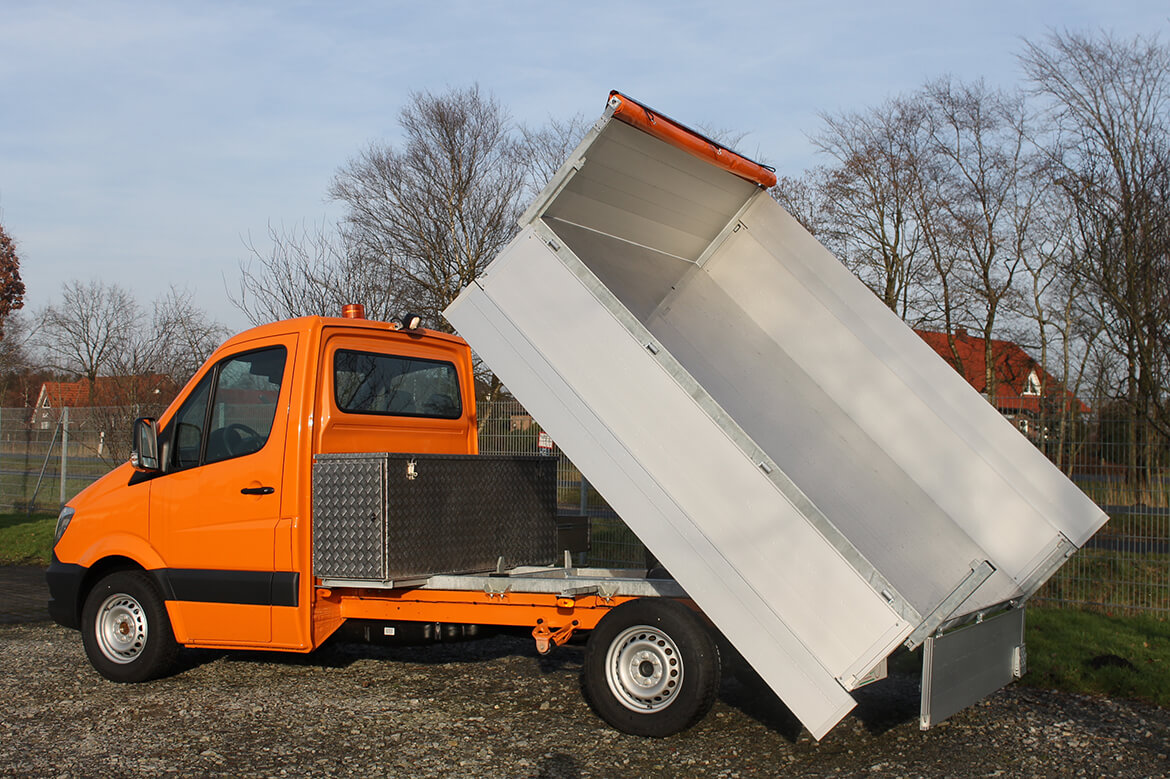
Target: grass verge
[(1122, 580), (25, 539), (1090, 652)]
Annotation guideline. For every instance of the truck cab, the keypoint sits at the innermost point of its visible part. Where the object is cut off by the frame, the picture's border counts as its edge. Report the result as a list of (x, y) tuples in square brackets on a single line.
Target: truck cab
[(216, 513)]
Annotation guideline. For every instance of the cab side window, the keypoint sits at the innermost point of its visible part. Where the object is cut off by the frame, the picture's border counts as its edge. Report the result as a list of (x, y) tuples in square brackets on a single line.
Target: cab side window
[(188, 425), (230, 412)]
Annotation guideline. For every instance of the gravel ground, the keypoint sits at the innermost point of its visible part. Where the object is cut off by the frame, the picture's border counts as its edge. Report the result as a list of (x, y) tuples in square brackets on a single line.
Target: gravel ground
[(25, 594), (494, 707)]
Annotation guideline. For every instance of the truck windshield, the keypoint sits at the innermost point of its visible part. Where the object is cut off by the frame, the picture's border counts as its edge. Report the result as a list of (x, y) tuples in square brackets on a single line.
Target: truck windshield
[(368, 383)]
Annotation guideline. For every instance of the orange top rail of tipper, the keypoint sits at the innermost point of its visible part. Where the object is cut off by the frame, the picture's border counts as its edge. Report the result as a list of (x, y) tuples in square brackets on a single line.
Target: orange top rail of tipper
[(663, 127)]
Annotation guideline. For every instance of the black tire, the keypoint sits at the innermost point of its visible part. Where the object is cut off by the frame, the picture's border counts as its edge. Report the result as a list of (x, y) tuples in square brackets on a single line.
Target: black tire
[(125, 628), (651, 668)]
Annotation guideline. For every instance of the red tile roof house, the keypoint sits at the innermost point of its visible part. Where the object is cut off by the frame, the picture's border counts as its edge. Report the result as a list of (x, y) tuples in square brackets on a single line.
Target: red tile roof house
[(148, 390), (1021, 382)]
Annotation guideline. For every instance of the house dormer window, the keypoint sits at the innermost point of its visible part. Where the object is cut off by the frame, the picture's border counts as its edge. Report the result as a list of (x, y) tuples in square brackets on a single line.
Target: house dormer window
[(1033, 385)]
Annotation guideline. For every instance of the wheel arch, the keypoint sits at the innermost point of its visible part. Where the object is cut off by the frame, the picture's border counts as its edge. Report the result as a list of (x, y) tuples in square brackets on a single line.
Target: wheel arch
[(110, 553), (98, 571), (125, 628), (134, 549)]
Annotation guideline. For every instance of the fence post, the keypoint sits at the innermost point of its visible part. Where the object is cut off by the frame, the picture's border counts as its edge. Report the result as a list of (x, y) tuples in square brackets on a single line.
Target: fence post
[(64, 451), (584, 496)]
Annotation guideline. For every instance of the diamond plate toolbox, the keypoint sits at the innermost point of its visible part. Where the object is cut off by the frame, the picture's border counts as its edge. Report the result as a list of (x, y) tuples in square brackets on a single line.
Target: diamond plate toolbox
[(436, 514), (349, 499)]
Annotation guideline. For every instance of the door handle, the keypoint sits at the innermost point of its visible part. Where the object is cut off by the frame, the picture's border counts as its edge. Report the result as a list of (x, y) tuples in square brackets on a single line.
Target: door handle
[(257, 490)]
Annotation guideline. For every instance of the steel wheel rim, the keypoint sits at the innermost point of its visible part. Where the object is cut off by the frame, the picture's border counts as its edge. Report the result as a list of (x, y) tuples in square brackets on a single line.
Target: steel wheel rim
[(121, 628), (644, 669)]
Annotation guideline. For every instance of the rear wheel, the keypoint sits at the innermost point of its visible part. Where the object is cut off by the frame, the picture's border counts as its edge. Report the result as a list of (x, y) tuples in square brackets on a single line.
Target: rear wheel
[(651, 668), (125, 629)]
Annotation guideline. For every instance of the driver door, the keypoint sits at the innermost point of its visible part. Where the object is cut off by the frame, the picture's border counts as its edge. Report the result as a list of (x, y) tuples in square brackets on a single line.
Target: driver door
[(214, 513)]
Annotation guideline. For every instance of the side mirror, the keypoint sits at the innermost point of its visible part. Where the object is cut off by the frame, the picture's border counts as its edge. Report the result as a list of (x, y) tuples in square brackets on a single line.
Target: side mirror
[(144, 445)]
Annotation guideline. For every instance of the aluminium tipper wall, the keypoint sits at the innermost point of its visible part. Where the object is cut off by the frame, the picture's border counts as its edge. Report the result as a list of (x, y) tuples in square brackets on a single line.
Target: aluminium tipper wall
[(813, 475), (916, 470)]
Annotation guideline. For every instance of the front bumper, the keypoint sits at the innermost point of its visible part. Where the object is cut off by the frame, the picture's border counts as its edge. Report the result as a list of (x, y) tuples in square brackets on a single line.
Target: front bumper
[(64, 581)]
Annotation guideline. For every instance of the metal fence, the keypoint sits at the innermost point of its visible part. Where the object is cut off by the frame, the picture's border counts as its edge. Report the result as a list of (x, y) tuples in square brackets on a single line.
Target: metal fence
[(47, 456), (506, 428), (1123, 464)]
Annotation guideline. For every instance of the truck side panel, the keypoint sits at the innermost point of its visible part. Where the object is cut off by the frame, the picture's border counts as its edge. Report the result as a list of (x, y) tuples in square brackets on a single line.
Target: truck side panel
[(799, 612), (950, 455)]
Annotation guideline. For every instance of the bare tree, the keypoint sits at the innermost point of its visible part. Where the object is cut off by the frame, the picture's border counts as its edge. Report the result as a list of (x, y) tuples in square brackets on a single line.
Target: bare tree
[(1065, 332), (434, 211), (312, 270), (988, 194), (100, 330), (158, 359), (422, 219), (133, 364), (13, 346), (547, 147), (90, 333), (1109, 101), (91, 328), (11, 287), (181, 337), (945, 297), (869, 195), (20, 378), (805, 200)]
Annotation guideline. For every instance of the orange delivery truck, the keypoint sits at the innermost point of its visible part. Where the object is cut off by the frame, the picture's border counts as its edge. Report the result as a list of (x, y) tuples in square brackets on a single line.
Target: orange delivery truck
[(267, 506), (822, 487)]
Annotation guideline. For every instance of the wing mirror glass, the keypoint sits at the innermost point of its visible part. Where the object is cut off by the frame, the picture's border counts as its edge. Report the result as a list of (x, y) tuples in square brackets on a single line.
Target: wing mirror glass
[(144, 445)]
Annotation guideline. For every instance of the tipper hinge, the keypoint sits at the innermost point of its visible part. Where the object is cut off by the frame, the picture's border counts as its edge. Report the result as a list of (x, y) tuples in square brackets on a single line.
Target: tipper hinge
[(547, 638), (980, 572)]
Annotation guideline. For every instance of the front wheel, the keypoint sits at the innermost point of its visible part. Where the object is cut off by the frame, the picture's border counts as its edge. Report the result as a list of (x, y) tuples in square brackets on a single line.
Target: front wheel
[(125, 629), (651, 668)]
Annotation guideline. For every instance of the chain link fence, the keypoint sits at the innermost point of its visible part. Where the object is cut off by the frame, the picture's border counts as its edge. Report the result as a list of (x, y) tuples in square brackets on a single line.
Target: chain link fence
[(1123, 464), (506, 428), (47, 456)]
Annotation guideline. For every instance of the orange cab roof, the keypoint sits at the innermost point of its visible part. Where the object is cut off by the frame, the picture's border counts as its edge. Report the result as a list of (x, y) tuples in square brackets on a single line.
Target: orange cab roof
[(313, 323)]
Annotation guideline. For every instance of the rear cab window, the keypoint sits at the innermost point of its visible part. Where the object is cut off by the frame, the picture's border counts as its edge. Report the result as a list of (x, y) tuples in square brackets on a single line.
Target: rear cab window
[(387, 384), (391, 392)]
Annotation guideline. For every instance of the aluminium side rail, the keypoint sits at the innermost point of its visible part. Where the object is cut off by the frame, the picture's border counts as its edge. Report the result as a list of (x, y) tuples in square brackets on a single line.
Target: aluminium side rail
[(822, 484), (566, 582)]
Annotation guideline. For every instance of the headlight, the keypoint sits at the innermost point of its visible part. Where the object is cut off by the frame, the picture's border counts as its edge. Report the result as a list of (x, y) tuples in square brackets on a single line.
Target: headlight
[(63, 520)]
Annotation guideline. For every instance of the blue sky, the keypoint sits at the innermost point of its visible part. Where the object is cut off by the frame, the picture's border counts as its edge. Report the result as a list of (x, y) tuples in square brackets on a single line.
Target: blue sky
[(141, 143)]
